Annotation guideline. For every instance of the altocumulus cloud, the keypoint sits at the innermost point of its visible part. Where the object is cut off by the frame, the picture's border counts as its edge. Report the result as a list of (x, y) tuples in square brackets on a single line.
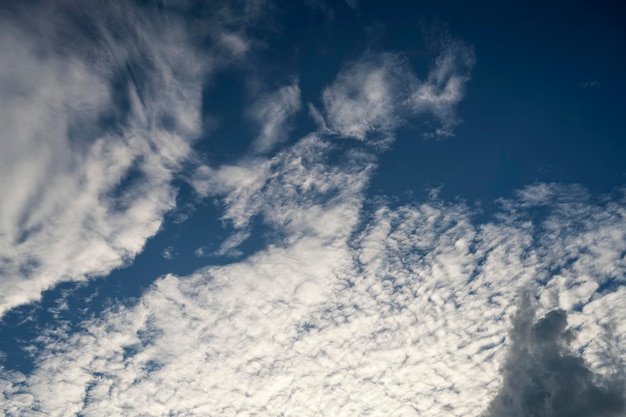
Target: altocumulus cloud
[(97, 119), (393, 311)]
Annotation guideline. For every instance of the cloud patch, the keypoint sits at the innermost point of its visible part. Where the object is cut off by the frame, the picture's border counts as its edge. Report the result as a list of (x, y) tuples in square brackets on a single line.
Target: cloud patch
[(272, 112), (380, 92), (404, 308), (444, 87)]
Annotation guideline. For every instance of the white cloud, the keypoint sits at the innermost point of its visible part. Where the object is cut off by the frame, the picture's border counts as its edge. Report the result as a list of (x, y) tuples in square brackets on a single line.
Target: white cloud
[(200, 252), (235, 43), (589, 84), (366, 96), (317, 117), (444, 87), (232, 242), (276, 188), (272, 112), (379, 92), (399, 311), (168, 253), (95, 126), (239, 183)]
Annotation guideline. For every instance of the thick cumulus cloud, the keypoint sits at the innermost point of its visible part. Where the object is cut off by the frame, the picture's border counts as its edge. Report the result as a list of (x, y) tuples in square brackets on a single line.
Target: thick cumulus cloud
[(100, 104), (379, 92), (544, 376)]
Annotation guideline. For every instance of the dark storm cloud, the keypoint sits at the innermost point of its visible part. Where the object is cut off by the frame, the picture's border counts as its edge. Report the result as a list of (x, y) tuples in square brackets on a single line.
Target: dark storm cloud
[(544, 377)]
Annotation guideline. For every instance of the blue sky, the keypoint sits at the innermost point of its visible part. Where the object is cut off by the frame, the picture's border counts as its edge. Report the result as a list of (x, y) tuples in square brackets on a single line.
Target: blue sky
[(312, 208)]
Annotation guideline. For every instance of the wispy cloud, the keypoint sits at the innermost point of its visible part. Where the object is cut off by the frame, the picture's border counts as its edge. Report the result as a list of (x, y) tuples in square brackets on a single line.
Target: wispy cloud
[(168, 253), (100, 105), (365, 96), (383, 311), (444, 87), (589, 84), (353, 3), (276, 189), (271, 112), (380, 92)]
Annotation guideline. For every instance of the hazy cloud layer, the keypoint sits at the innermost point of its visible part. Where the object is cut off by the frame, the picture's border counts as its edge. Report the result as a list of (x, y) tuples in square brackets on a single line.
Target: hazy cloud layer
[(100, 103)]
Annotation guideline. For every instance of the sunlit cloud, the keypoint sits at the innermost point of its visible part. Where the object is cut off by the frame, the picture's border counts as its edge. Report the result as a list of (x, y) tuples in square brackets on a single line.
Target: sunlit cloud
[(543, 375), (380, 92), (404, 308), (94, 131)]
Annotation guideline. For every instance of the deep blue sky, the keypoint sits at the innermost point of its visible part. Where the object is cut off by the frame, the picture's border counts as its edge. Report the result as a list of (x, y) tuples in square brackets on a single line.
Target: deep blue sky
[(544, 103)]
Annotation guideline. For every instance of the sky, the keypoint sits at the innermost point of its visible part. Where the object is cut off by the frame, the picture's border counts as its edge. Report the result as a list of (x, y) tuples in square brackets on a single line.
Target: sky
[(313, 208)]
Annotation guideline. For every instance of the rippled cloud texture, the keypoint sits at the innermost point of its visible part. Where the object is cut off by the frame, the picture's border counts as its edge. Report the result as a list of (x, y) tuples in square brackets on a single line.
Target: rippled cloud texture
[(405, 316), (356, 306)]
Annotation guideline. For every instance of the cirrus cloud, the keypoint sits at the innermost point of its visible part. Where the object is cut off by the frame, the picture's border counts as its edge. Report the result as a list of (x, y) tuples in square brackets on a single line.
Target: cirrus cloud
[(101, 103)]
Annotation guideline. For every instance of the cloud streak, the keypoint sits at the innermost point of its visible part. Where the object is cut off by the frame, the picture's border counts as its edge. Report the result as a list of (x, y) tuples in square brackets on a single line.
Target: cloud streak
[(379, 92), (100, 105), (397, 311)]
